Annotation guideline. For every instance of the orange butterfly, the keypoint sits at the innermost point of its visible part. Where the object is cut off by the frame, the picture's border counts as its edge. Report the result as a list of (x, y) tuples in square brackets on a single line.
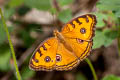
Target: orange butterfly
[(68, 47)]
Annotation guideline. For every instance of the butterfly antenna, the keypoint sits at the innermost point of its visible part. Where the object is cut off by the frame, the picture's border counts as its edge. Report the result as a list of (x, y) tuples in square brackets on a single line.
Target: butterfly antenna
[(42, 30), (38, 30), (54, 21)]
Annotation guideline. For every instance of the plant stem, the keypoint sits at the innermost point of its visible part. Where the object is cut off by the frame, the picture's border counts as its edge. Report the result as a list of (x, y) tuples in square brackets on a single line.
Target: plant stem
[(92, 68), (119, 47), (11, 45), (119, 38)]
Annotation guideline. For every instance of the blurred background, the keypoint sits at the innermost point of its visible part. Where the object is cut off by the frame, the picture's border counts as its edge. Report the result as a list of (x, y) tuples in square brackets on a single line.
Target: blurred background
[(32, 21)]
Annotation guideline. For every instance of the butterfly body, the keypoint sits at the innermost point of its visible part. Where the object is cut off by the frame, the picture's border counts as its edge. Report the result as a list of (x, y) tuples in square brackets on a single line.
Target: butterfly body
[(67, 48), (62, 40)]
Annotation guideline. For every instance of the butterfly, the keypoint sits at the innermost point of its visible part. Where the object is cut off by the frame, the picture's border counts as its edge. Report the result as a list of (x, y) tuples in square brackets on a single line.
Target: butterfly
[(67, 48)]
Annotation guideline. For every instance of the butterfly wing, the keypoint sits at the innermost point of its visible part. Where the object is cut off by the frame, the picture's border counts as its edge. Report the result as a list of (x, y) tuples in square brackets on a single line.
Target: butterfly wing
[(52, 54), (44, 57), (78, 33), (65, 60), (81, 27)]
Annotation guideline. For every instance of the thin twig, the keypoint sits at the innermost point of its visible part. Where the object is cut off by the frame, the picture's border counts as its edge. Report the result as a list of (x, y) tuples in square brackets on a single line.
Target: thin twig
[(11, 45), (92, 68)]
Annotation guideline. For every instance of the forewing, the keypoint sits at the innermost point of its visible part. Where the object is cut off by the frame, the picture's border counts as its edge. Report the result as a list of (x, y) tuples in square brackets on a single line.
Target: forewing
[(81, 27)]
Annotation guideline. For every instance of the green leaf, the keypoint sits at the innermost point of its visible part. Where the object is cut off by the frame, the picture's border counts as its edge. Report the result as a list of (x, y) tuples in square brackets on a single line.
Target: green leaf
[(80, 76), (64, 2), (98, 40), (105, 38), (100, 17), (39, 4), (111, 77), (15, 3), (23, 10), (26, 73), (4, 57), (108, 7), (53, 11), (117, 13), (109, 4), (110, 35), (65, 15), (2, 32), (112, 17), (25, 35), (8, 12)]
